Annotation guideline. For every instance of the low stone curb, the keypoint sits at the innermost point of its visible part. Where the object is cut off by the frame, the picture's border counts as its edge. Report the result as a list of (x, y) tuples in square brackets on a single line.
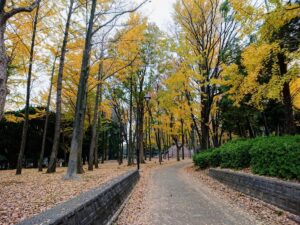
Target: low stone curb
[(283, 194), (96, 206)]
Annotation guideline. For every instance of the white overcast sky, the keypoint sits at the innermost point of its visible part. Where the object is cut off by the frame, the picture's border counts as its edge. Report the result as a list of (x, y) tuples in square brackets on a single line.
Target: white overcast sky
[(160, 12)]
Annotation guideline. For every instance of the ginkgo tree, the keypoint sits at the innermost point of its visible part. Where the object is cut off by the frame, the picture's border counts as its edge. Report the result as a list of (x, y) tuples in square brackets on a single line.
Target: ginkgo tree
[(7, 11), (269, 64), (209, 29)]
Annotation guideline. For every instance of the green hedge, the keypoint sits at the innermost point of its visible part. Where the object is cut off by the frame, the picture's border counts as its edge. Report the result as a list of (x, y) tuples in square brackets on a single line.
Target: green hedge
[(272, 156), (236, 155)]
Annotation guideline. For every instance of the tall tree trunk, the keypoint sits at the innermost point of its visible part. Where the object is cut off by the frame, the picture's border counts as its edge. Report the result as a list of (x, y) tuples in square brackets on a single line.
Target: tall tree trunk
[(26, 121), (289, 122), (104, 139), (96, 162), (149, 135), (76, 144), (130, 147), (205, 112), (182, 138), (177, 149), (122, 151), (137, 137), (158, 143), (96, 116), (267, 132), (204, 131), (215, 134), (40, 163), (140, 134), (193, 143), (240, 131), (124, 133), (3, 68), (220, 137), (188, 97), (56, 137), (81, 135), (145, 140), (251, 131), (120, 145), (289, 126)]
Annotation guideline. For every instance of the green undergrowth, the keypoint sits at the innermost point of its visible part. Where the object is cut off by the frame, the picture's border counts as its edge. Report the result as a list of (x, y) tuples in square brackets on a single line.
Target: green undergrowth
[(271, 156)]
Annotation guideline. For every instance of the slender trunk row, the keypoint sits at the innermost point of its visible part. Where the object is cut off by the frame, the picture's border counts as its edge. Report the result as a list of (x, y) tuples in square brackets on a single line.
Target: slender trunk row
[(77, 137), (56, 138), (40, 163), (26, 119), (95, 117)]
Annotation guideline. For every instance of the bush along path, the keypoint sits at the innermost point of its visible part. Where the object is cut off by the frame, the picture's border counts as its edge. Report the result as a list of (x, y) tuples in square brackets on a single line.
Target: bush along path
[(270, 156)]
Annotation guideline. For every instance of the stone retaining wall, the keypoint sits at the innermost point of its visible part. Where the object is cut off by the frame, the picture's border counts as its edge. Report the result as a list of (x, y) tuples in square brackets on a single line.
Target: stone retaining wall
[(285, 195), (93, 207)]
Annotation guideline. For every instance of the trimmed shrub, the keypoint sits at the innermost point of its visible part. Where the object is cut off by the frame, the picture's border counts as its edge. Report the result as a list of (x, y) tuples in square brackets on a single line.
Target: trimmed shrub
[(276, 156), (236, 155), (214, 158), (272, 156), (208, 158), (201, 160)]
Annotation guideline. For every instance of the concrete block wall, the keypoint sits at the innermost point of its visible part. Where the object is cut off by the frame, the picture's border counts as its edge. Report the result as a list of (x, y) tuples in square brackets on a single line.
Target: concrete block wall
[(284, 195), (95, 207)]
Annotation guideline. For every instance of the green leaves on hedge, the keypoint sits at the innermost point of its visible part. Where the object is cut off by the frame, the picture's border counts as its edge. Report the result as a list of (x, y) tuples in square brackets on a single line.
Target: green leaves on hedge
[(272, 156)]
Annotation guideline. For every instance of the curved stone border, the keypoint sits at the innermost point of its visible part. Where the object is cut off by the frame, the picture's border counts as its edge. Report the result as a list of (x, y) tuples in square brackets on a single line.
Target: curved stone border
[(97, 206), (283, 194)]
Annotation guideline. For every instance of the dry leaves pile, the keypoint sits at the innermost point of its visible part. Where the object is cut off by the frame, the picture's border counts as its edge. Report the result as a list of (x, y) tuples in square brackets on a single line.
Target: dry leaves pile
[(264, 212), (33, 192)]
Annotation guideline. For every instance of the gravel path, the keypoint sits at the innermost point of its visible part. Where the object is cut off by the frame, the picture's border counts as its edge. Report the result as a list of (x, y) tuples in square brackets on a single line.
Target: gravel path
[(176, 200)]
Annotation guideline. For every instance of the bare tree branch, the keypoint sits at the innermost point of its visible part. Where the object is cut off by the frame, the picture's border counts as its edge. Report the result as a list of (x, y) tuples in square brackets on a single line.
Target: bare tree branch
[(15, 11), (118, 15)]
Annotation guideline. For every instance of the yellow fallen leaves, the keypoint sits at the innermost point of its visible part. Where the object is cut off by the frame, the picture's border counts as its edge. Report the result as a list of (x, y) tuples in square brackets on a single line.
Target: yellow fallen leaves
[(33, 192)]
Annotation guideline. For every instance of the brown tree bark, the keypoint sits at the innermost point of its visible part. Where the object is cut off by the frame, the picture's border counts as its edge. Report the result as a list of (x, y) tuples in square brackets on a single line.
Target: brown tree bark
[(26, 120), (40, 163), (158, 143), (130, 146), (177, 148), (53, 157), (140, 132), (96, 161), (196, 127), (76, 144), (149, 136), (250, 128), (289, 126), (289, 120), (182, 138), (204, 127), (267, 132), (96, 116), (3, 68)]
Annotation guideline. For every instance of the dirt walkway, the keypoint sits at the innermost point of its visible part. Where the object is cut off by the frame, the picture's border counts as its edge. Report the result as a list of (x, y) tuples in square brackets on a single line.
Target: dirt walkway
[(176, 193), (176, 200)]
